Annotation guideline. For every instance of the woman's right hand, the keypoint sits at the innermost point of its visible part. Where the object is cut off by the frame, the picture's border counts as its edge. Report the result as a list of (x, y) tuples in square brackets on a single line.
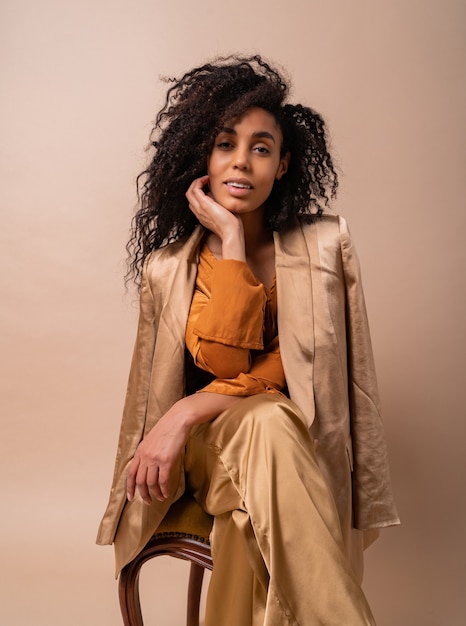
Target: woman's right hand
[(154, 469), (218, 220)]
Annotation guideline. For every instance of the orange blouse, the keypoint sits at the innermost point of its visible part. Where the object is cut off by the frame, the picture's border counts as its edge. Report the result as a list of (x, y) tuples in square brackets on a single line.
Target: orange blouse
[(232, 328)]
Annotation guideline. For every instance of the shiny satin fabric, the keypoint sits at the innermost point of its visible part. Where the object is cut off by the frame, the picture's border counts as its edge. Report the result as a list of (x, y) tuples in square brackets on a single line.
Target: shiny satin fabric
[(327, 359), (277, 547)]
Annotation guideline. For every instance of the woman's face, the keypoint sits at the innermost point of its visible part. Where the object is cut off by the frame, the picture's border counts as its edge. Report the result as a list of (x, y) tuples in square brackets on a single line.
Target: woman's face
[(246, 161)]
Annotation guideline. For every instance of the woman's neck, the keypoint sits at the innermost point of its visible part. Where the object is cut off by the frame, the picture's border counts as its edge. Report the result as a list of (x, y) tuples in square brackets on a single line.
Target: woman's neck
[(259, 246), (256, 233)]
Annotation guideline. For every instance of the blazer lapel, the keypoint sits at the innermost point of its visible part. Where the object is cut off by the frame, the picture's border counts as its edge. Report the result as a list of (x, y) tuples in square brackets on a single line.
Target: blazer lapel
[(295, 317), (169, 355)]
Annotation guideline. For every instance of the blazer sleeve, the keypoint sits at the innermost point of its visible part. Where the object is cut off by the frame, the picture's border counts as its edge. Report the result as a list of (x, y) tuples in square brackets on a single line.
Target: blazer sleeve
[(135, 409), (372, 496)]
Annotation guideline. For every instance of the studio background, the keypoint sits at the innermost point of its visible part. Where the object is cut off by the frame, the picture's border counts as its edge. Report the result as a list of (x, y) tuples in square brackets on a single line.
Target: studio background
[(79, 89)]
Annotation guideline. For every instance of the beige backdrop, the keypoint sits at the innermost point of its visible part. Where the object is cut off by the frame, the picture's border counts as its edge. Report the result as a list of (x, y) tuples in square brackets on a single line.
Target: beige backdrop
[(79, 88)]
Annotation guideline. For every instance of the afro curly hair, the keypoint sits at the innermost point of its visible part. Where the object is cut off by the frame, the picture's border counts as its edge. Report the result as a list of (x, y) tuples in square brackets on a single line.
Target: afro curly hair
[(196, 108)]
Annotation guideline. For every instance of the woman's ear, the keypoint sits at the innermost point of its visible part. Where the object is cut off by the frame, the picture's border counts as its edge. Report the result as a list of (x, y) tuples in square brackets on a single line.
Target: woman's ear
[(283, 166)]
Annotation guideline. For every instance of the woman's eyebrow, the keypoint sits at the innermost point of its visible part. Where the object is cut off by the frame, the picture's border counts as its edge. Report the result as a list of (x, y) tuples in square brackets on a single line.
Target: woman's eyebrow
[(261, 134), (264, 134)]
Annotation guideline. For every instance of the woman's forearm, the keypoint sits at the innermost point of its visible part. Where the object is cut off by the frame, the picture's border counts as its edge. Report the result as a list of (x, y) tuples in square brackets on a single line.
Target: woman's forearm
[(201, 407)]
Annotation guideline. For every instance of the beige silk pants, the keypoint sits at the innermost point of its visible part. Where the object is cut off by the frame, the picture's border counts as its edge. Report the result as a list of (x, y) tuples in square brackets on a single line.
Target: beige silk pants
[(276, 542)]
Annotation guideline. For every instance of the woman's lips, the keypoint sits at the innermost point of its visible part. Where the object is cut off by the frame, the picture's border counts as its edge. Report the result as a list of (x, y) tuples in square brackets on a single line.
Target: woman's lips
[(238, 187), (238, 182)]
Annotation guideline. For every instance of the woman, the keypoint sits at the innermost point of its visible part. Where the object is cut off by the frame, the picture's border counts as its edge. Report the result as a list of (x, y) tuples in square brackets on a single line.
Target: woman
[(252, 382)]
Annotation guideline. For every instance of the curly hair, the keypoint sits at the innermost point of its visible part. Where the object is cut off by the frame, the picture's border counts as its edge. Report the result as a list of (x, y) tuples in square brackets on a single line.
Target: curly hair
[(196, 108)]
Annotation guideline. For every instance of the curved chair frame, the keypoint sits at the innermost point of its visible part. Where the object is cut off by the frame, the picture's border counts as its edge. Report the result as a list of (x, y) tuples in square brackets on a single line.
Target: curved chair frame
[(180, 547)]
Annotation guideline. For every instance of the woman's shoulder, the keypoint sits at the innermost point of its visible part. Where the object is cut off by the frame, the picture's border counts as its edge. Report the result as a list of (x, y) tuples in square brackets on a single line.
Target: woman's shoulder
[(329, 228), (173, 252), (326, 221)]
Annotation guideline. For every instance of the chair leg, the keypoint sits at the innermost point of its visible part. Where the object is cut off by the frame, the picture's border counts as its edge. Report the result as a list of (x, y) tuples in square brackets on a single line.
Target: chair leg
[(196, 576), (128, 592)]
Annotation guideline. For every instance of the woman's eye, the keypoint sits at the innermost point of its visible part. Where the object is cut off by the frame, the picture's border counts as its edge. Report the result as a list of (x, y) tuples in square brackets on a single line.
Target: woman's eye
[(223, 145), (262, 149)]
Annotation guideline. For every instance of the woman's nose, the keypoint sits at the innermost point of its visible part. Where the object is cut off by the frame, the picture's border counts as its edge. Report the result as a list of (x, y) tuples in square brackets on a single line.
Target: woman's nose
[(241, 160)]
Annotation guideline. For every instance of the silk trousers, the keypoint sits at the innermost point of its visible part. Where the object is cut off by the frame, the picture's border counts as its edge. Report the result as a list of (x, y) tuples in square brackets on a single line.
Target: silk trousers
[(276, 541)]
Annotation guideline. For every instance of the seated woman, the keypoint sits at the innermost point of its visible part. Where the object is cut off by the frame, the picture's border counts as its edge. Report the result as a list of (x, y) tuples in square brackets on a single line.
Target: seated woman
[(252, 383)]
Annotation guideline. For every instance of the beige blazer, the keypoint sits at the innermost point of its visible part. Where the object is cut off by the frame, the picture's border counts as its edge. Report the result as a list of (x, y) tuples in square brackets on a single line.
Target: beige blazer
[(327, 358)]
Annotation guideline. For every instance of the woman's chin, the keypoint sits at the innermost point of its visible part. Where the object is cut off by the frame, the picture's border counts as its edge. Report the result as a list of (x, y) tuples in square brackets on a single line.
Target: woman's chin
[(238, 207)]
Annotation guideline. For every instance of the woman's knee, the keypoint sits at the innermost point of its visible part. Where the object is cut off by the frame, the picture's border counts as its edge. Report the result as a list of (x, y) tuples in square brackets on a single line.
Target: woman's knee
[(265, 417), (275, 417)]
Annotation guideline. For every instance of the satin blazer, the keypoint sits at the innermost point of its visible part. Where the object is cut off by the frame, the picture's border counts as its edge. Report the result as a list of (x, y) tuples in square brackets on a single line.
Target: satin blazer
[(327, 358)]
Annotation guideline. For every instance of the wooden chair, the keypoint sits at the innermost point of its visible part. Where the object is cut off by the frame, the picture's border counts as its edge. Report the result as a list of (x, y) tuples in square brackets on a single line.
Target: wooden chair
[(184, 534)]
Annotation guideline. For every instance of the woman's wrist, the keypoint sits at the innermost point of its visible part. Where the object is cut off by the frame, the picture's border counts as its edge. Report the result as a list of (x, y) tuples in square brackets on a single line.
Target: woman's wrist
[(233, 246)]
